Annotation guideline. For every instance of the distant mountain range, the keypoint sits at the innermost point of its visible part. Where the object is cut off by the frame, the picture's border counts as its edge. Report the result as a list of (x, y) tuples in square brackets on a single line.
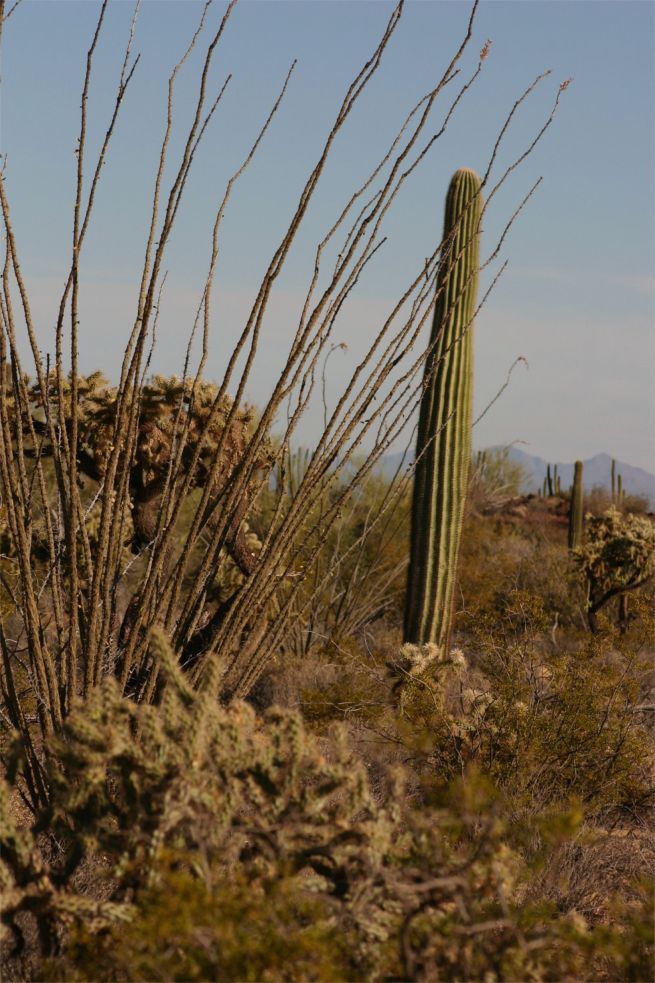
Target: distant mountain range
[(596, 474)]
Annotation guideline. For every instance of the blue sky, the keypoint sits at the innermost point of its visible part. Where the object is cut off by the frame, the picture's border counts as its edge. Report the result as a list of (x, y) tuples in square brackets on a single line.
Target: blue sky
[(577, 298)]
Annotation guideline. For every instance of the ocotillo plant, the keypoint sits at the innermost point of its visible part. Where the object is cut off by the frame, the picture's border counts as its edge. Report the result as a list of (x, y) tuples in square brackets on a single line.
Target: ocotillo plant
[(576, 508), (443, 448)]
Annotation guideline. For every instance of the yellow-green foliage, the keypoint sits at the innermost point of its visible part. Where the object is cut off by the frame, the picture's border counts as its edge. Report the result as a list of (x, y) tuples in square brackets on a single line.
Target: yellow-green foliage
[(236, 847), (136, 782), (234, 929), (545, 724)]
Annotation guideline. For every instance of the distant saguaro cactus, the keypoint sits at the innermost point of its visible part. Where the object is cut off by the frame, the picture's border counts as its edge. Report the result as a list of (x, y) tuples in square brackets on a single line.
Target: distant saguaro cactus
[(549, 481), (556, 482), (443, 448), (576, 508), (613, 478)]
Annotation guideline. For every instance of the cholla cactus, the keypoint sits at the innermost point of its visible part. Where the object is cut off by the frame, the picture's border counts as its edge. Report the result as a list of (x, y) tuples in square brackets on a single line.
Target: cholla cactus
[(232, 807), (618, 556), (163, 401), (415, 662), (198, 776)]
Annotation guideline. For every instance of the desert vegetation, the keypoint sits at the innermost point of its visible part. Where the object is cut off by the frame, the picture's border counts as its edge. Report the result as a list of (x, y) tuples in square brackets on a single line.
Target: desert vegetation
[(266, 712)]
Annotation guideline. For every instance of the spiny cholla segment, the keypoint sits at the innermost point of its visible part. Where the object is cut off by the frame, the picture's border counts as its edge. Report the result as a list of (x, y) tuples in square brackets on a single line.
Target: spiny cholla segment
[(443, 449)]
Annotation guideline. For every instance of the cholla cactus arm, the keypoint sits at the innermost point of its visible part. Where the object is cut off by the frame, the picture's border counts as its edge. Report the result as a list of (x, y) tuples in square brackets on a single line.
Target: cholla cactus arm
[(443, 449)]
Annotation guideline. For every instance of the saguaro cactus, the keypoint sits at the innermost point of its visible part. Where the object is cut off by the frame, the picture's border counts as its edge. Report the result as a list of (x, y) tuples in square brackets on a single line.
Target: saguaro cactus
[(443, 447), (613, 478), (576, 508)]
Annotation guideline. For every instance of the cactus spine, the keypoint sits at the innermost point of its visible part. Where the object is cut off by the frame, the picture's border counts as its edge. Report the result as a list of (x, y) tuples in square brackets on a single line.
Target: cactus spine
[(443, 447), (576, 508)]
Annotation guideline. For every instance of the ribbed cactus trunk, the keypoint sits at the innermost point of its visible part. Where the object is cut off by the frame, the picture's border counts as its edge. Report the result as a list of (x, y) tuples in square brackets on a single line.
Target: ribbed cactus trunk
[(443, 447), (576, 508)]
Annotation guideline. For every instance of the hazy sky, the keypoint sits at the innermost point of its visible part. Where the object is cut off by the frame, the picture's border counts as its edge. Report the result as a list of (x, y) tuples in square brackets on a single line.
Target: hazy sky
[(577, 298)]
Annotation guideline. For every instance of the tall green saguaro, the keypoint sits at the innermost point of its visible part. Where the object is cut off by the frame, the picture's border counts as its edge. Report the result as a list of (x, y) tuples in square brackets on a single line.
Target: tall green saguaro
[(443, 446), (576, 508)]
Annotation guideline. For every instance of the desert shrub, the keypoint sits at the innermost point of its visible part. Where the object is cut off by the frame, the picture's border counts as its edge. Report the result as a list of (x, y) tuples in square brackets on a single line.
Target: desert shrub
[(599, 499), (228, 846), (499, 558), (186, 929), (135, 782), (543, 722)]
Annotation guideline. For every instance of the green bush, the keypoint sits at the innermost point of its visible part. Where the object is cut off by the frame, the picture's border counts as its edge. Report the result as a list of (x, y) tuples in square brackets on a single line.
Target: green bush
[(544, 723)]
